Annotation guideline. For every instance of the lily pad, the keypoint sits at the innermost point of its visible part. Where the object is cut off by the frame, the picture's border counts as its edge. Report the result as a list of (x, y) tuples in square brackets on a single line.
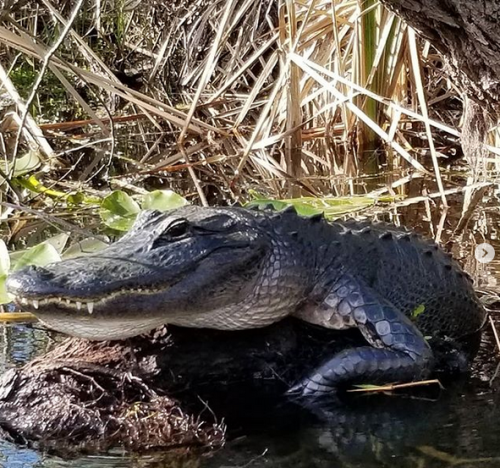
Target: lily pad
[(163, 200), (85, 247), (40, 255), (119, 210), (58, 241), (21, 166), (27, 163), (4, 259)]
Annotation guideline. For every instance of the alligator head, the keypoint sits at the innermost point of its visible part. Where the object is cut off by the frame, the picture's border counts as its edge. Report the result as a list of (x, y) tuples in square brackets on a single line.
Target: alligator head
[(198, 267)]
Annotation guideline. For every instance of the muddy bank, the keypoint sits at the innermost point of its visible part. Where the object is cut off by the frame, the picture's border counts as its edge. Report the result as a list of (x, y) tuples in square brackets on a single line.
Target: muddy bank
[(169, 389), (92, 396)]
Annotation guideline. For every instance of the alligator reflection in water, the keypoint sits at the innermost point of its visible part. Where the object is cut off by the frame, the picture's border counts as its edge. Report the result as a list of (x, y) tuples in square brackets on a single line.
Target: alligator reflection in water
[(364, 432), (460, 423), (382, 432)]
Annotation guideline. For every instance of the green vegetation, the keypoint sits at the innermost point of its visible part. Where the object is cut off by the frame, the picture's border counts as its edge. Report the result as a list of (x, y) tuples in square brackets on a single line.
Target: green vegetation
[(331, 207), (119, 210), (419, 310), (52, 100)]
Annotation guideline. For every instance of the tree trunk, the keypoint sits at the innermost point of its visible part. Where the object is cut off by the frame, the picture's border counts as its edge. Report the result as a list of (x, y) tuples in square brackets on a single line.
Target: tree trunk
[(467, 33)]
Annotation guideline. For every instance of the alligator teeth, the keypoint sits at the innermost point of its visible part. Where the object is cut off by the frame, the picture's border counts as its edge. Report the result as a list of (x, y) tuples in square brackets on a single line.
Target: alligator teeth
[(90, 307), (24, 301), (35, 303), (78, 305), (68, 301)]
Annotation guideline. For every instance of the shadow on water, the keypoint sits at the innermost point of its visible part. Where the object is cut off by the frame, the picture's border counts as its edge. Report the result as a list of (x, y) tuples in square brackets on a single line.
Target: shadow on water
[(457, 426)]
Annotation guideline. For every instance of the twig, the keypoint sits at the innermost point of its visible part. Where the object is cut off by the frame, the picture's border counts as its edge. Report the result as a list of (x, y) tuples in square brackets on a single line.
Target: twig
[(391, 387), (45, 65), (83, 376), (53, 220), (495, 333), (425, 114), (16, 316), (452, 460), (418, 199), (497, 341)]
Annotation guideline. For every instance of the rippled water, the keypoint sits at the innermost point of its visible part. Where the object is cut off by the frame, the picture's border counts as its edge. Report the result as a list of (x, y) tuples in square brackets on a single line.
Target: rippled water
[(455, 427)]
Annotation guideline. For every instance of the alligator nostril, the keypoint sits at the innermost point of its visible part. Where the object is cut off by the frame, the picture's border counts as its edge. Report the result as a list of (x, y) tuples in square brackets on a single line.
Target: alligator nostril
[(21, 281)]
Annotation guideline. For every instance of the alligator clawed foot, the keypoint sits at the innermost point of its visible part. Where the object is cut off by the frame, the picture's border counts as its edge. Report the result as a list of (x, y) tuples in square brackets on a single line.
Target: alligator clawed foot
[(309, 388), (296, 391)]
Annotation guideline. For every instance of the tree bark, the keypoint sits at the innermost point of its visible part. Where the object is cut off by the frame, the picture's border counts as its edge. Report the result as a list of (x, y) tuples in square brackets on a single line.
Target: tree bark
[(467, 33)]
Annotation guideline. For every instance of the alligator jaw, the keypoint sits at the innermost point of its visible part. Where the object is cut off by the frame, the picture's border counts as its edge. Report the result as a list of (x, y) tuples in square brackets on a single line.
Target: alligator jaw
[(88, 319), (74, 304), (101, 329), (77, 304)]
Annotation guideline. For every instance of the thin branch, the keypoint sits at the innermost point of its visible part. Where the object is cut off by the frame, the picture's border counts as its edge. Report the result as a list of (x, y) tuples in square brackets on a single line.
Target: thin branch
[(45, 65)]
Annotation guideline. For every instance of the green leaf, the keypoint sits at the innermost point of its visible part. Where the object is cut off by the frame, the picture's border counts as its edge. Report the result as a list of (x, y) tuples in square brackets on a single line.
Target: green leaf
[(4, 270), (58, 241), (27, 163), (23, 165), (5, 297), (76, 198), (163, 200), (15, 256), (40, 255), (367, 386), (4, 259), (118, 211), (418, 310), (332, 207), (85, 247)]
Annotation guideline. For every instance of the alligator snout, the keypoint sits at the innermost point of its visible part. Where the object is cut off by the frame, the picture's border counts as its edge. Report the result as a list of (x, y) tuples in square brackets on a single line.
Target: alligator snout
[(24, 280)]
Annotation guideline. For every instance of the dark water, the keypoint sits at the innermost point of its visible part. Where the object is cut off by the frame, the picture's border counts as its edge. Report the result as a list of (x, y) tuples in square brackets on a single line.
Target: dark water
[(458, 426)]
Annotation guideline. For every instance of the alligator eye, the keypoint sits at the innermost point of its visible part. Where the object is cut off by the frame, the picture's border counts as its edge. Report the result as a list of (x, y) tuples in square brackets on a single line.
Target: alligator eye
[(175, 231), (178, 228)]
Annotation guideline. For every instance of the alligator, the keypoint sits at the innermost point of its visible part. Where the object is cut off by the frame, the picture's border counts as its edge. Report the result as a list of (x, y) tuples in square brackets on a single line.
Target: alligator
[(232, 268)]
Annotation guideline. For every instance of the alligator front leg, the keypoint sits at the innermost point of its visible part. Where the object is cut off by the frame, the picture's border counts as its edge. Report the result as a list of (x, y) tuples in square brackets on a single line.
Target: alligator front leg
[(398, 351)]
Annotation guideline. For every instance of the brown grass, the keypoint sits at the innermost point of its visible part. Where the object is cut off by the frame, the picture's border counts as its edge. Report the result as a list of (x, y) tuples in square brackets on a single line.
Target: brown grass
[(223, 100)]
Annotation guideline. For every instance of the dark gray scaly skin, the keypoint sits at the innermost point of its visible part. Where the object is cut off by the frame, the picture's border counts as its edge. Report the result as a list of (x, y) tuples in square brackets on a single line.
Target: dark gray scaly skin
[(233, 268)]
